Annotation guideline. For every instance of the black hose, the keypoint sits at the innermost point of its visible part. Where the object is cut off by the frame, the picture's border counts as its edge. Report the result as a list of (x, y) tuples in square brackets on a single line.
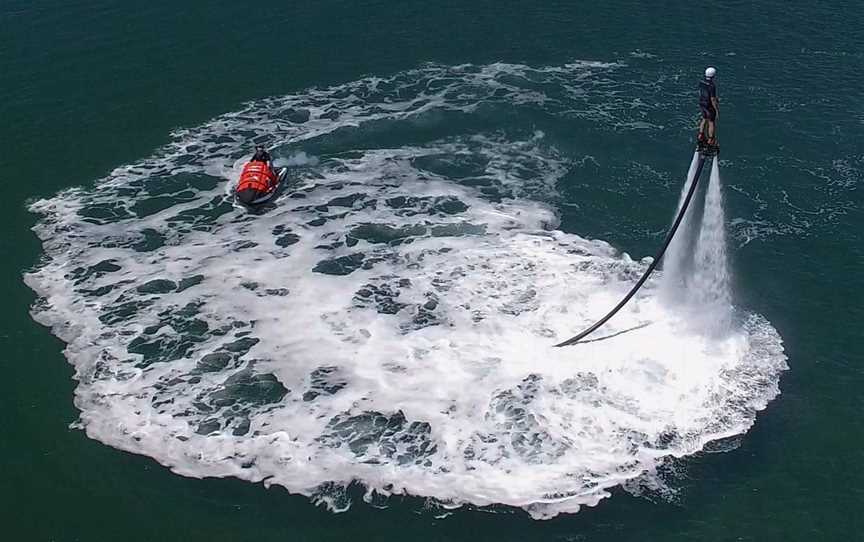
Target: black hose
[(651, 267)]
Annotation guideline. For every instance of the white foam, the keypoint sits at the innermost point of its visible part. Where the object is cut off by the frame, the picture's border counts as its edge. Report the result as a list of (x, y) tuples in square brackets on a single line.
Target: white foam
[(712, 290), (223, 343), (677, 262), (696, 269)]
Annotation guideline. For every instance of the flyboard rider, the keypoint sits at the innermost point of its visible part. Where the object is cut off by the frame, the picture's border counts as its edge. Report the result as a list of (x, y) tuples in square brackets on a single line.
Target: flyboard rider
[(709, 104)]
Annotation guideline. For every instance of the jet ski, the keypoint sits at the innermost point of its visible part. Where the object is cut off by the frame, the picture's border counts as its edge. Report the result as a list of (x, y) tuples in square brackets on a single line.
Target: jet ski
[(253, 198)]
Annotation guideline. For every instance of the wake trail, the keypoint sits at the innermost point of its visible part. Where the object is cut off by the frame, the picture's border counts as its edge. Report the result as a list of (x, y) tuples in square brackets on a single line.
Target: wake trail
[(389, 322)]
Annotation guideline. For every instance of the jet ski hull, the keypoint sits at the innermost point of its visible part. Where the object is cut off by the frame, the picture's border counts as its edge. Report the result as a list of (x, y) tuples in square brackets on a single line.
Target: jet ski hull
[(266, 196)]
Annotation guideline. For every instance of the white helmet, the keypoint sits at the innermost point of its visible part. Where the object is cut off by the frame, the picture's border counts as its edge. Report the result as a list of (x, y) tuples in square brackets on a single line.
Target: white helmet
[(710, 72)]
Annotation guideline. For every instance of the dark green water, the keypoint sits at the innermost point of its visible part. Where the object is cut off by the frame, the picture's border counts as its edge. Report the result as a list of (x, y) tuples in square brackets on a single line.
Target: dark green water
[(87, 87)]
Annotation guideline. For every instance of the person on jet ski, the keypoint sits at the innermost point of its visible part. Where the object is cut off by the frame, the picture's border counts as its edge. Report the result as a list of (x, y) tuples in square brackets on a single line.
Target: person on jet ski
[(709, 104), (258, 179), (261, 155)]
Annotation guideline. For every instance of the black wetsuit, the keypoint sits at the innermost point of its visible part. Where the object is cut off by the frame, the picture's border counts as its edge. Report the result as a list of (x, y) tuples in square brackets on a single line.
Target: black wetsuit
[(707, 91), (261, 156)]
